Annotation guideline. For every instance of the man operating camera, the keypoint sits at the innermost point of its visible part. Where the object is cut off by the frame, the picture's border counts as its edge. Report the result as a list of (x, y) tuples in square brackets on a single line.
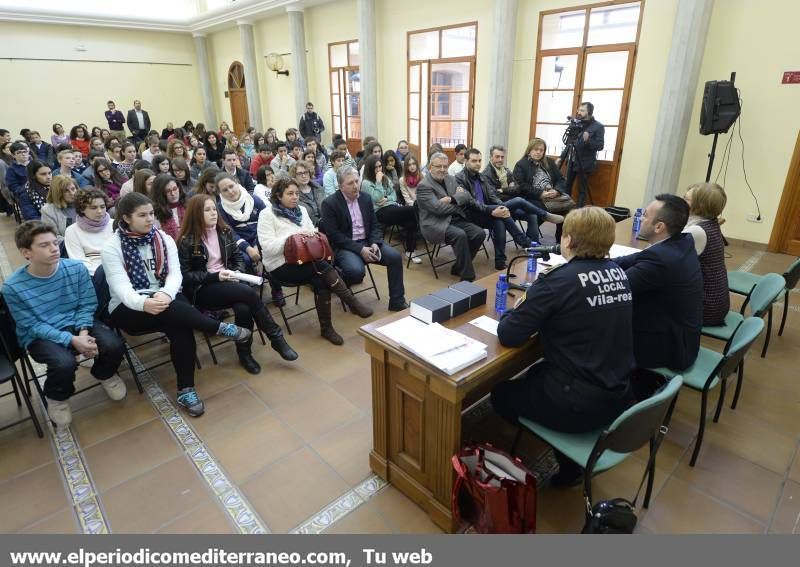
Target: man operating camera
[(581, 149)]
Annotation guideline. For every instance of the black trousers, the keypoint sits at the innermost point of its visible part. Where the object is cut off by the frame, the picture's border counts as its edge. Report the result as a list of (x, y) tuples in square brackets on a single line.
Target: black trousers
[(61, 364), (499, 227), (302, 274), (178, 322), (583, 180), (401, 216), (466, 239), (246, 305)]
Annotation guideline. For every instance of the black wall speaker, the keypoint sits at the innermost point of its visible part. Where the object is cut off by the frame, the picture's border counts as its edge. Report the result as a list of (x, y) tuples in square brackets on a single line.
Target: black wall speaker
[(720, 107)]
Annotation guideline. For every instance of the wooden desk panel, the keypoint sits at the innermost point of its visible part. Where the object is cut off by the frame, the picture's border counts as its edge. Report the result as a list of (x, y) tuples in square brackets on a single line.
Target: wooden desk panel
[(416, 409)]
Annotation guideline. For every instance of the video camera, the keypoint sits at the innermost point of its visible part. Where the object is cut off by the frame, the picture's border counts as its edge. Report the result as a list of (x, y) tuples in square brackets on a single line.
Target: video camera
[(574, 129)]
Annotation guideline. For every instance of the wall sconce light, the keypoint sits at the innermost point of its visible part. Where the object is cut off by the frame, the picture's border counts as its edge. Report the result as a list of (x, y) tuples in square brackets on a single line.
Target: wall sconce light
[(275, 63)]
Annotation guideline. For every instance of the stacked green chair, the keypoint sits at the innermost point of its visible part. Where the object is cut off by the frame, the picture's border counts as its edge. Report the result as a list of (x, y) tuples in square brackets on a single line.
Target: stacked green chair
[(712, 369), (743, 283), (760, 298), (600, 450)]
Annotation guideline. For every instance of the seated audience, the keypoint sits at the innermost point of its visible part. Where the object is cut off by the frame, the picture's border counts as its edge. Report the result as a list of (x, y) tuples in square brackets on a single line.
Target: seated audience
[(167, 131), (410, 179), (281, 163), (667, 286), (41, 150), (34, 193), (264, 182), (180, 169), (402, 151), (499, 175), (209, 261), (706, 203), (176, 149), (311, 194), (206, 183), (329, 180), (169, 204), (84, 239), (214, 147), (388, 211), (241, 156), (142, 182), (443, 218), (315, 173), (279, 221), (458, 164), (348, 220), (53, 303), (153, 148), (144, 279), (200, 162), (319, 155), (59, 209), (125, 167), (391, 170), (59, 136), (79, 139), (583, 382), (17, 166), (240, 210), (262, 158), (340, 144), (89, 173), (66, 166), (249, 148), (230, 166), (162, 164), (109, 180)]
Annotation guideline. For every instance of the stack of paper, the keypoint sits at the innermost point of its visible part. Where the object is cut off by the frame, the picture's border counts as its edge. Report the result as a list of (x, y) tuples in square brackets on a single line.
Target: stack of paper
[(447, 350), (616, 251)]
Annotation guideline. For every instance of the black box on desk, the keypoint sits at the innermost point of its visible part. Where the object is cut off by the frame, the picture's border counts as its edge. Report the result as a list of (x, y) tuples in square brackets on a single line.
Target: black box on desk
[(459, 303), (476, 294), (430, 309)]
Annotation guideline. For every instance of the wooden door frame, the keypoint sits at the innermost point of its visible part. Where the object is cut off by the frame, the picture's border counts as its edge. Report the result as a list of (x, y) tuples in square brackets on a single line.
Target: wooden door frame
[(582, 51), (237, 89), (470, 116), (789, 204)]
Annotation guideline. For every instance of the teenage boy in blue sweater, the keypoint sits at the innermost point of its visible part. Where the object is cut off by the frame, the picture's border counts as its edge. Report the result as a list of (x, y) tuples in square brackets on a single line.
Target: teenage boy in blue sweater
[(53, 303)]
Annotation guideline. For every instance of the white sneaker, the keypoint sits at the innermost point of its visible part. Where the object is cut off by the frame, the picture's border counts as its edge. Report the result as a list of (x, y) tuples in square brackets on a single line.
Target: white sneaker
[(59, 412), (115, 388), (414, 259)]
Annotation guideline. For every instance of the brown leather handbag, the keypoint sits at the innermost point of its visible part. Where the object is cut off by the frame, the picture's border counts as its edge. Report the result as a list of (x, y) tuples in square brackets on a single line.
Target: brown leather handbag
[(305, 248)]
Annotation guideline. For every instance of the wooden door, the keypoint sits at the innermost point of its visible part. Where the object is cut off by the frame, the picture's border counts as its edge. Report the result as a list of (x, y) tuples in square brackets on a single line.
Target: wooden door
[(786, 229), (238, 98)]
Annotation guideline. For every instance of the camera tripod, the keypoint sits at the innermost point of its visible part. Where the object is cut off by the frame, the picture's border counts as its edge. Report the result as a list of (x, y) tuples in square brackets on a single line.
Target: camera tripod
[(573, 161)]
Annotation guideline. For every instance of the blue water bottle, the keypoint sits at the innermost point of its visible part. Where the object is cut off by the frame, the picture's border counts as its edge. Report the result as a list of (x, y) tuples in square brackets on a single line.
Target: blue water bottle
[(530, 272), (500, 294), (637, 222)]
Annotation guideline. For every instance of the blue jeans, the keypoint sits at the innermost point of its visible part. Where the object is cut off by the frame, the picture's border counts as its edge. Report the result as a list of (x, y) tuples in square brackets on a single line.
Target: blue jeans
[(61, 365), (499, 227), (353, 270), (522, 209)]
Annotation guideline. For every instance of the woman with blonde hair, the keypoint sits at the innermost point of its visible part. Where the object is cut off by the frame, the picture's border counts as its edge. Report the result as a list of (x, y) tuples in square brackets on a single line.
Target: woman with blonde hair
[(59, 210), (706, 203), (585, 330)]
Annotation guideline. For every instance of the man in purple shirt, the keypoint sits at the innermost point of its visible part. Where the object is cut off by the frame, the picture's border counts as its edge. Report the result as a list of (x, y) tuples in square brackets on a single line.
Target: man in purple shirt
[(348, 220), (115, 121)]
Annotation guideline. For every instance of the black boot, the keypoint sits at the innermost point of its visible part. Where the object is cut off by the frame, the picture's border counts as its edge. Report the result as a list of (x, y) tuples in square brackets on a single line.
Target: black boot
[(268, 325), (322, 300), (337, 286), (246, 358)]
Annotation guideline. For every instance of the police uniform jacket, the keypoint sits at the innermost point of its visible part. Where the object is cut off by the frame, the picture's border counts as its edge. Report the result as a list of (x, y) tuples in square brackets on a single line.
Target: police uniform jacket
[(583, 312)]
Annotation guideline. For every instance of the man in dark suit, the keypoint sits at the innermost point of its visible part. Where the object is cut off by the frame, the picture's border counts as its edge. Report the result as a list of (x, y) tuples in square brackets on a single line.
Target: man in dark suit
[(138, 122), (667, 288), (443, 219), (349, 221)]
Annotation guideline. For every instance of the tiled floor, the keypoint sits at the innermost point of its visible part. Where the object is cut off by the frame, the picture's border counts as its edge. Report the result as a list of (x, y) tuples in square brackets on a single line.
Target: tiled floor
[(296, 438)]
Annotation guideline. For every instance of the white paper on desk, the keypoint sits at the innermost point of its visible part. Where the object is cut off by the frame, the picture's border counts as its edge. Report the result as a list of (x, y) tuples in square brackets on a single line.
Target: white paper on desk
[(486, 323), (619, 250)]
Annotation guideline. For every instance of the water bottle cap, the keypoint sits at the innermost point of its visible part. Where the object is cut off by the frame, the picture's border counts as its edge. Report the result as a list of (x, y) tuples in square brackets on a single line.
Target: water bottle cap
[(502, 277), (639, 210)]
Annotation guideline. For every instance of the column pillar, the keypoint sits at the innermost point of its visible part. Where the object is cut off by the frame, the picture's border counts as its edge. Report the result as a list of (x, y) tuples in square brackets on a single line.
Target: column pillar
[(368, 68), (250, 63), (206, 92), (680, 87), (504, 39), (299, 71)]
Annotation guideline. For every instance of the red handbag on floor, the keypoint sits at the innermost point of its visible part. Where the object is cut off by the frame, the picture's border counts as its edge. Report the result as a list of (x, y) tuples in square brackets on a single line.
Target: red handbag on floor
[(305, 248), (493, 491)]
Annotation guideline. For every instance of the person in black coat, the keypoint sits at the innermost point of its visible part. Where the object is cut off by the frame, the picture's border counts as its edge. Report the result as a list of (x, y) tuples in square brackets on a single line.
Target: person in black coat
[(582, 312), (311, 124), (590, 140), (139, 128), (209, 259), (667, 288), (358, 241)]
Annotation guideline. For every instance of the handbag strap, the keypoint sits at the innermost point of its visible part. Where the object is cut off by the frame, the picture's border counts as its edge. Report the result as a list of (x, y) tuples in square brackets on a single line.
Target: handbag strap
[(657, 439)]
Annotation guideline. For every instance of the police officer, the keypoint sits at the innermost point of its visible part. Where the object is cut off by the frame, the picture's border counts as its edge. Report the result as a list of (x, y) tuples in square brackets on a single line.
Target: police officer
[(583, 313)]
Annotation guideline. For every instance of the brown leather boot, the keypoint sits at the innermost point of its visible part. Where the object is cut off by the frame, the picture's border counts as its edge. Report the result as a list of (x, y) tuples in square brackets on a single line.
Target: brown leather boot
[(322, 300), (337, 286)]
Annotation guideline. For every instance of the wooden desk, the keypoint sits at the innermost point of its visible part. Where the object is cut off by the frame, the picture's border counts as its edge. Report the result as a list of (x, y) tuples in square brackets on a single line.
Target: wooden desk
[(416, 409)]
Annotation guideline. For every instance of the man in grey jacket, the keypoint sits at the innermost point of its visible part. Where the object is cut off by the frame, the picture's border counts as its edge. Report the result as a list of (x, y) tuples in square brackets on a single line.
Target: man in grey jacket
[(442, 218)]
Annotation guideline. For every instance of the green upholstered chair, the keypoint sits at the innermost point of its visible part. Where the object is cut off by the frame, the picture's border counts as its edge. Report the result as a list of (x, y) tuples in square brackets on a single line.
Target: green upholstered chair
[(743, 283), (712, 369), (761, 298), (603, 449)]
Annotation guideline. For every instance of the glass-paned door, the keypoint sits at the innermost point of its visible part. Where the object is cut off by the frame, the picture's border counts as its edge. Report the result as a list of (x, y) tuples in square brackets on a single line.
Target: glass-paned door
[(345, 78)]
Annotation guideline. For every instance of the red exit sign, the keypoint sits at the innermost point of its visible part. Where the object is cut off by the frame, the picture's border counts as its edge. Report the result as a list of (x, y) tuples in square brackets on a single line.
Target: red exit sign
[(791, 77)]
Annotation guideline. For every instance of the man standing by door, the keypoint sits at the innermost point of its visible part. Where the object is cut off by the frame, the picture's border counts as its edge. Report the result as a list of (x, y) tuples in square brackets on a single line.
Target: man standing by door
[(138, 122), (115, 121), (583, 161), (311, 124)]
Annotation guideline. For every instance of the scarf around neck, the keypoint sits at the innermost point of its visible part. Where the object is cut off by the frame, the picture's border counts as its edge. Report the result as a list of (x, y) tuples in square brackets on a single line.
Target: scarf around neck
[(88, 225), (295, 215), (412, 180), (240, 209), (134, 263)]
